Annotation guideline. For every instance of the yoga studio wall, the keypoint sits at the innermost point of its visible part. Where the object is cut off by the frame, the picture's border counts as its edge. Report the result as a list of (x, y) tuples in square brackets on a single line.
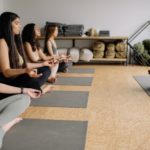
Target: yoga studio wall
[(121, 17), (1, 6)]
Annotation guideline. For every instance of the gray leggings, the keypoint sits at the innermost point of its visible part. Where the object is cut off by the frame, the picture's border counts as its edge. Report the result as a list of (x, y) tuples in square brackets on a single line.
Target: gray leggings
[(10, 108)]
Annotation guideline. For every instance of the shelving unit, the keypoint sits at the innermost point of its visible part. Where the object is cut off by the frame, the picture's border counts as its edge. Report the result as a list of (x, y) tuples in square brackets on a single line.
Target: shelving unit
[(105, 39)]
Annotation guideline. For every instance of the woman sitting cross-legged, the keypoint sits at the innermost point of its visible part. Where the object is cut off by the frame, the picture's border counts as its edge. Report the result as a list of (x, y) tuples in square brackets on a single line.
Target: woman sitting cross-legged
[(14, 69), (50, 48), (13, 106), (34, 52)]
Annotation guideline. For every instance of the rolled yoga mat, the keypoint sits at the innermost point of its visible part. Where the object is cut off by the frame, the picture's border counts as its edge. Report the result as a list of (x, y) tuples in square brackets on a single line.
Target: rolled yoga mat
[(79, 81), (144, 82), (70, 99), (34, 134), (82, 70)]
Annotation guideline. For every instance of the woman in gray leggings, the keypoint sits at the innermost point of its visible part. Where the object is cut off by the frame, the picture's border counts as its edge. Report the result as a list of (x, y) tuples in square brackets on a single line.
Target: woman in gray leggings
[(13, 106)]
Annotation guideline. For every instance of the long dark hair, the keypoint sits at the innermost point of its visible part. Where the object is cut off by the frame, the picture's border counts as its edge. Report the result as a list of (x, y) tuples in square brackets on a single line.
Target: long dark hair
[(14, 42), (28, 35), (49, 32)]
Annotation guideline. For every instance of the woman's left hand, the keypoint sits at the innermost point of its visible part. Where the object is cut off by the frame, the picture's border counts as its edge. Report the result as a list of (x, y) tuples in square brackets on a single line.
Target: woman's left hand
[(32, 92), (33, 73)]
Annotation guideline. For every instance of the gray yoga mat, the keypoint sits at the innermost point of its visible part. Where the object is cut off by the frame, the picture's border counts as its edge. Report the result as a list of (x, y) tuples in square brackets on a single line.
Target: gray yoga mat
[(73, 99), (79, 81), (82, 70), (46, 135), (144, 82)]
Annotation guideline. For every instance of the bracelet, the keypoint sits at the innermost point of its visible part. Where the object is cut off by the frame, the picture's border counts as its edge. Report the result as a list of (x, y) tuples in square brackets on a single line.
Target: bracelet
[(21, 90)]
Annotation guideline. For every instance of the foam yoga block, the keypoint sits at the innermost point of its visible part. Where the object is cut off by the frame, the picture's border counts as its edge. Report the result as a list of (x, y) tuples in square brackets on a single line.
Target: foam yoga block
[(75, 54), (86, 55)]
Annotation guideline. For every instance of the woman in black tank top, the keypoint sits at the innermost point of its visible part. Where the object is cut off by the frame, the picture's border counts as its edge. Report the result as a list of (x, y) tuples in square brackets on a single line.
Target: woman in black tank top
[(14, 70)]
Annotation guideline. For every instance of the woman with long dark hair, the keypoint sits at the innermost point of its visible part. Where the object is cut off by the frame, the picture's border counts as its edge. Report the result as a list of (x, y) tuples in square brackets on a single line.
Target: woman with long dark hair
[(14, 70), (13, 106), (30, 34), (50, 48)]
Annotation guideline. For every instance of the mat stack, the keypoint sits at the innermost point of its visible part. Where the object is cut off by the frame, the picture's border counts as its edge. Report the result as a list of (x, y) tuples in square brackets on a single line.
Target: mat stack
[(98, 49), (73, 30), (110, 51), (121, 50)]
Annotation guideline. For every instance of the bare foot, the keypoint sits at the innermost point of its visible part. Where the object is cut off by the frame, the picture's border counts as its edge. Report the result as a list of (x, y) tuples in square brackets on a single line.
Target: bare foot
[(65, 70), (57, 75), (51, 80), (47, 88), (11, 124)]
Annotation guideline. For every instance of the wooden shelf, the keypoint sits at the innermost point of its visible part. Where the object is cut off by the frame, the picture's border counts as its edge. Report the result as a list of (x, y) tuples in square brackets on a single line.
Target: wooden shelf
[(90, 38), (110, 59), (103, 38)]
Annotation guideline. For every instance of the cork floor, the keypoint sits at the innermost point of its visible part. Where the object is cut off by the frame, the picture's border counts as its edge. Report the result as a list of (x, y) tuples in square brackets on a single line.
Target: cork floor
[(118, 111)]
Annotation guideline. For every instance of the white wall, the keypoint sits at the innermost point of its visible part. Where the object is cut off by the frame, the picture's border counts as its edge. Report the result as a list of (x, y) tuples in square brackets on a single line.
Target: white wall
[(1, 6), (121, 17)]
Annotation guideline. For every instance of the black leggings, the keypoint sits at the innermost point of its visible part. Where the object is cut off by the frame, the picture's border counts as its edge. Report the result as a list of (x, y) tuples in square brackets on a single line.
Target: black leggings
[(26, 81)]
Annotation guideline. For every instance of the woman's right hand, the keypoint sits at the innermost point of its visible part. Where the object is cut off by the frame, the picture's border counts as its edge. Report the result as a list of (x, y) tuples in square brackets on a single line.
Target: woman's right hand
[(33, 73), (32, 92), (49, 63)]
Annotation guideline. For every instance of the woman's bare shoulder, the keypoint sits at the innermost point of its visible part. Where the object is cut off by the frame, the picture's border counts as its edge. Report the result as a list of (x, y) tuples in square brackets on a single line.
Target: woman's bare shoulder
[(3, 44), (3, 41)]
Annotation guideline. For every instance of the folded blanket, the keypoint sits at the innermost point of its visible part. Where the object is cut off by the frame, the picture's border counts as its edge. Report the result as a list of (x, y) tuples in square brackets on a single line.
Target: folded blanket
[(73, 34), (73, 27)]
